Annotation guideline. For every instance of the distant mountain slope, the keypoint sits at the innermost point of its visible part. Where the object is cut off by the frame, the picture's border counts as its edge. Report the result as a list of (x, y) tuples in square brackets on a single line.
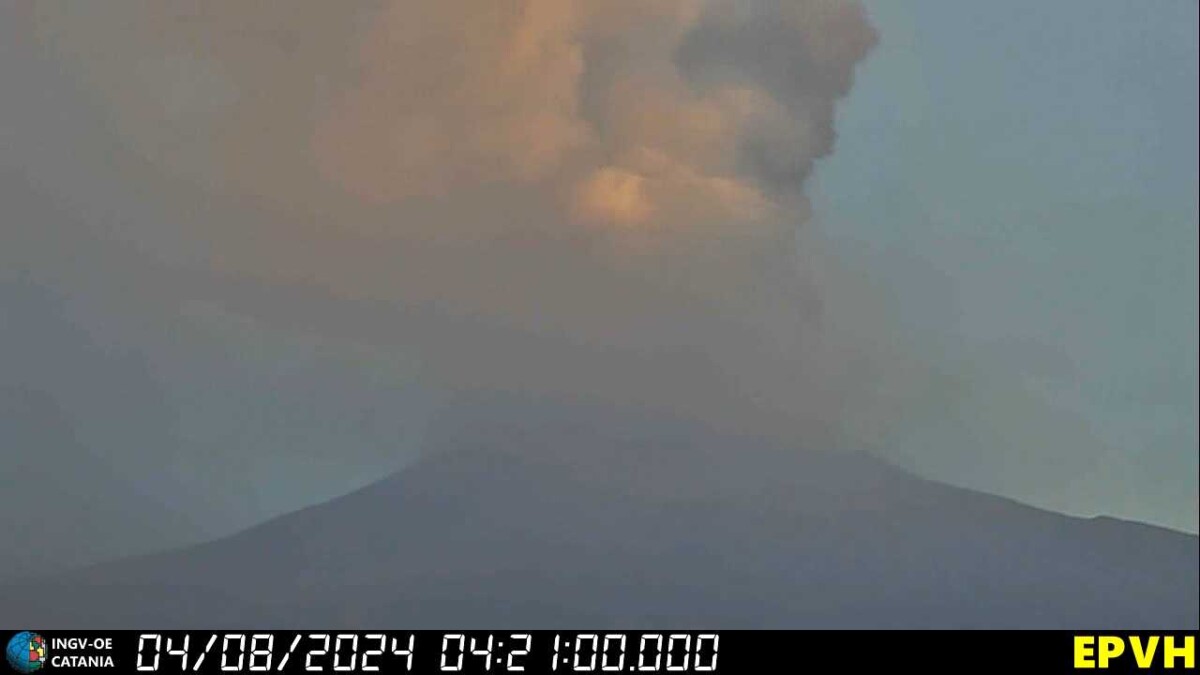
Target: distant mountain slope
[(551, 516), (68, 403), (66, 504)]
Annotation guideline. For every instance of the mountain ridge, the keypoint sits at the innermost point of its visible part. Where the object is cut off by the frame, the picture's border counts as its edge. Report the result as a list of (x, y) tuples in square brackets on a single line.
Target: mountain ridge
[(545, 515)]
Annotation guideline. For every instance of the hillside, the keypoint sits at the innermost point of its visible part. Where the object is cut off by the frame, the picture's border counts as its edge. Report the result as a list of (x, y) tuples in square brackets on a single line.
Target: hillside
[(550, 516)]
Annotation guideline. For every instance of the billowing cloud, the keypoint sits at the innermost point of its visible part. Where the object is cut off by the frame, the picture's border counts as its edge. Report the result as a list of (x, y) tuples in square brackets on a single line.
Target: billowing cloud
[(673, 110), (618, 182), (655, 114)]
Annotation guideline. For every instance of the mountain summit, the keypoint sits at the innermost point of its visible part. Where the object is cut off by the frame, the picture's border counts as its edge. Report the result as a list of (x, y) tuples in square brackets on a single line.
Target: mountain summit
[(550, 515)]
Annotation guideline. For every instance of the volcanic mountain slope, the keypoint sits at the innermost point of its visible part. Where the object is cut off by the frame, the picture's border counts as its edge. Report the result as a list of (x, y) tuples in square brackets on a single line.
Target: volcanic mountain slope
[(547, 515), (65, 401), (68, 504)]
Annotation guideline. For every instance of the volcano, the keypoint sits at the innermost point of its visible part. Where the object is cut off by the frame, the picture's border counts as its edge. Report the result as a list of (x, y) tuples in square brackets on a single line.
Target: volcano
[(568, 515)]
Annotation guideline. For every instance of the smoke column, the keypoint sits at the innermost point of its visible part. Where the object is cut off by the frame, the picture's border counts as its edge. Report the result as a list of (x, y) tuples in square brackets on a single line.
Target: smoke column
[(599, 199)]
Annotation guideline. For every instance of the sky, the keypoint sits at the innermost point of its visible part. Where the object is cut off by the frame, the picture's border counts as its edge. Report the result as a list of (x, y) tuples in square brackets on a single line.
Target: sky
[(244, 265), (1021, 178)]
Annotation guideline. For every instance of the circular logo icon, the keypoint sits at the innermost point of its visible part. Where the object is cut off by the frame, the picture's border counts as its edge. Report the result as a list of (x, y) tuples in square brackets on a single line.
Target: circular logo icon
[(26, 652)]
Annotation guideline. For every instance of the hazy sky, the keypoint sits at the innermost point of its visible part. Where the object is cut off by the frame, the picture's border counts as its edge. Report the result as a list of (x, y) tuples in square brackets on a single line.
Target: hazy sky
[(1021, 178), (242, 262)]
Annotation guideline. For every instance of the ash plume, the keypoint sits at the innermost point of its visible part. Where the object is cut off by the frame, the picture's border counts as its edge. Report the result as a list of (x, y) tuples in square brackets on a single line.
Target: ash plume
[(602, 199)]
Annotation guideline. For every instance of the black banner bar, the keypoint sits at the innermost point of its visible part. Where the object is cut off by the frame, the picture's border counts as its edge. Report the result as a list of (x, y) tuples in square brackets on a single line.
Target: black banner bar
[(600, 651)]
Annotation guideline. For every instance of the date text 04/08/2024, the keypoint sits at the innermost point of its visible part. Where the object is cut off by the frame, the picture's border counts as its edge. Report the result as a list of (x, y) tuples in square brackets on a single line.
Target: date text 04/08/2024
[(457, 652)]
